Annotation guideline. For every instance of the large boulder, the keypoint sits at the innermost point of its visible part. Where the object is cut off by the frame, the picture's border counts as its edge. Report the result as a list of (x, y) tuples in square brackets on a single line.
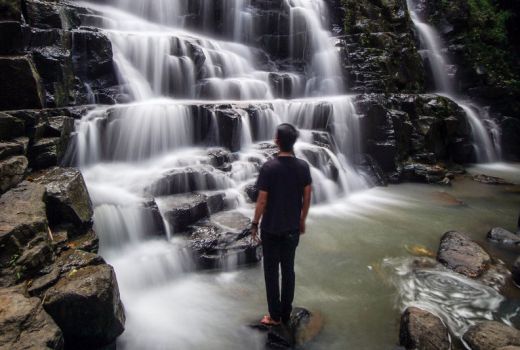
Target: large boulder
[(224, 239), (68, 201), (422, 330), (12, 172), (25, 325), (20, 86), (22, 218), (460, 254), (86, 306), (491, 335)]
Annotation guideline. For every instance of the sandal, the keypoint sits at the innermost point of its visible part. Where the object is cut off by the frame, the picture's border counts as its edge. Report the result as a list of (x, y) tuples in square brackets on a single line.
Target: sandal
[(268, 321)]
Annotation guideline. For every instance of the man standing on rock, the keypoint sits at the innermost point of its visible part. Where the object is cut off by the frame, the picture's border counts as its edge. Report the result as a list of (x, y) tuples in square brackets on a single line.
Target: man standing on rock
[(284, 198)]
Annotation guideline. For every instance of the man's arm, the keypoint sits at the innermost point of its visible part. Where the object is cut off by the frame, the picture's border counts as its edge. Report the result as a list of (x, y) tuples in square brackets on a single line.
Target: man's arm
[(307, 191), (261, 202)]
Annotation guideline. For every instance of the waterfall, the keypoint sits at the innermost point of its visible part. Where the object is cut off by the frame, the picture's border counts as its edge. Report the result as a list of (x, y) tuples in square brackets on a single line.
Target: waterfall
[(486, 139)]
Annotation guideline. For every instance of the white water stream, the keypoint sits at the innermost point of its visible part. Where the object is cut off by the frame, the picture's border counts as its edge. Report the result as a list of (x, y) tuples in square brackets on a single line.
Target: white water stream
[(486, 134)]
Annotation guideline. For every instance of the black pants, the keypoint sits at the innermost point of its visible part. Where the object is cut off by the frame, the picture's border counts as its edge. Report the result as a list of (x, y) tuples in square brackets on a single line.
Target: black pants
[(279, 250)]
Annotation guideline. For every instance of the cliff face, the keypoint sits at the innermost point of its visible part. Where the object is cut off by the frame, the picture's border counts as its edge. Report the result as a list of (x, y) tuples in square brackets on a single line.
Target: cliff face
[(55, 291)]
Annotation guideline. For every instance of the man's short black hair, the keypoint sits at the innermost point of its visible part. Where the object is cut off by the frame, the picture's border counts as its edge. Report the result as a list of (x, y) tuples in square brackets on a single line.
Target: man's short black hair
[(286, 134)]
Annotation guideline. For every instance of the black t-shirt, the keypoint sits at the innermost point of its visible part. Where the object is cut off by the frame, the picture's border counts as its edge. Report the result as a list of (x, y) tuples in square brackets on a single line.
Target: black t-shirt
[(284, 179)]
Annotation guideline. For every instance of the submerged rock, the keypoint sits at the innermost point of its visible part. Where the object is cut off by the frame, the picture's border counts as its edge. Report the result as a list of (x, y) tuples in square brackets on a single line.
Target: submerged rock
[(86, 306), (422, 330), (491, 335), (490, 180), (503, 236), (460, 254), (303, 327), (25, 325)]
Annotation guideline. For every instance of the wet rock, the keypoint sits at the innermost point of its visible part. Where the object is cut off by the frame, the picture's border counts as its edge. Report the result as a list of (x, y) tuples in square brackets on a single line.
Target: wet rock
[(36, 254), (20, 86), (251, 192), (515, 271), (22, 218), (16, 147), (68, 201), (460, 254), (46, 152), (371, 168), (154, 218), (10, 37), (75, 259), (25, 325), (92, 59), (421, 329), (491, 180), (491, 335), (10, 127), (423, 173), (86, 306), (302, 328), (503, 236), (223, 239), (12, 172), (196, 178), (88, 242), (182, 210), (42, 14)]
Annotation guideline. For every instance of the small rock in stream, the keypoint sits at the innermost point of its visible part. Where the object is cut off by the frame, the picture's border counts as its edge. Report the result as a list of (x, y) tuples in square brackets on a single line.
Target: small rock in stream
[(503, 236), (460, 254), (423, 330), (303, 327), (489, 335), (491, 180)]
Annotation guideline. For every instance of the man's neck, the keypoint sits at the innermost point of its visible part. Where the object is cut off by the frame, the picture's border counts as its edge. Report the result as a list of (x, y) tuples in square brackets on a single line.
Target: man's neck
[(285, 154)]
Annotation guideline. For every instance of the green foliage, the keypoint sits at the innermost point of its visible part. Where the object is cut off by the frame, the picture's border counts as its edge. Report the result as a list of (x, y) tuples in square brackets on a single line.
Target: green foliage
[(487, 42)]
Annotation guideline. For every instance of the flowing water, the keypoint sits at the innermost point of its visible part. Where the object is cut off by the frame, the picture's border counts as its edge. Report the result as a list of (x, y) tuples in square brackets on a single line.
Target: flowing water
[(195, 80), (486, 133)]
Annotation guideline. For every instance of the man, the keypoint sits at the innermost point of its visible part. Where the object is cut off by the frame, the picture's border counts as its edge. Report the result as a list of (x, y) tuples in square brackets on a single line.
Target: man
[(284, 198)]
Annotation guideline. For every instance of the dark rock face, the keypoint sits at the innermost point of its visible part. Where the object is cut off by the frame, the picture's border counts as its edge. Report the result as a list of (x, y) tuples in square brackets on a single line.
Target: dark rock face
[(20, 86), (25, 325), (86, 306), (503, 236), (223, 239), (22, 218), (515, 271), (303, 327), (68, 201), (491, 335), (460, 254), (378, 49), (423, 330), (410, 134), (12, 172)]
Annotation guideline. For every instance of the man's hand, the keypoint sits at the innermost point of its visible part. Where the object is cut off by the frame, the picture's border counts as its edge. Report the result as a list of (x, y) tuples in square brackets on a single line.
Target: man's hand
[(254, 234), (302, 226)]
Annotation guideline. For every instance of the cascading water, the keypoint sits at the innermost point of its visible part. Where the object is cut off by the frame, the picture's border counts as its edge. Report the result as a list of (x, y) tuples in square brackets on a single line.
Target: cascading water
[(486, 137), (191, 95)]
